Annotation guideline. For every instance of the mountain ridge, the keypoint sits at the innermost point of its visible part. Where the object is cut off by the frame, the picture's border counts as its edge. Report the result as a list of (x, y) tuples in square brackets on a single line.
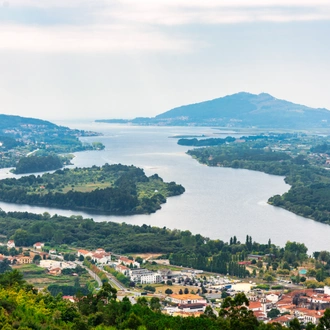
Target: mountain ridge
[(241, 109)]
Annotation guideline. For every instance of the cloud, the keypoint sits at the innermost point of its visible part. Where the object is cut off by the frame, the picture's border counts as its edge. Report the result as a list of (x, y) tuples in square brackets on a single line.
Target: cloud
[(99, 38), (144, 25)]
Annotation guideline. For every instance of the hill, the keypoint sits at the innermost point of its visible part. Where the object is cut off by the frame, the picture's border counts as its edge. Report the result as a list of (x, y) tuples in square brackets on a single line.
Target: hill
[(242, 110), (22, 137)]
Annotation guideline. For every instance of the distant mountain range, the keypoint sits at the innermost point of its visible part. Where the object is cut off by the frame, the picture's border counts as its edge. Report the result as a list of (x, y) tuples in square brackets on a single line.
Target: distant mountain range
[(241, 110)]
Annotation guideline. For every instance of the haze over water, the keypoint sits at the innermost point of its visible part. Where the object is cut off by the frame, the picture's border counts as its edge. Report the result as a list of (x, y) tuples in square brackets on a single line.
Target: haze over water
[(218, 202)]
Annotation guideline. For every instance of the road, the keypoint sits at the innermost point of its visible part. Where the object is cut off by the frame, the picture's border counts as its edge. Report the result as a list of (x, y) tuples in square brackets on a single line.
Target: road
[(91, 273)]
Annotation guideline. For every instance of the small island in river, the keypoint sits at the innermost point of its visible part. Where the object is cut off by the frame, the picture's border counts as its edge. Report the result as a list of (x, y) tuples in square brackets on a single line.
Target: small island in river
[(110, 189)]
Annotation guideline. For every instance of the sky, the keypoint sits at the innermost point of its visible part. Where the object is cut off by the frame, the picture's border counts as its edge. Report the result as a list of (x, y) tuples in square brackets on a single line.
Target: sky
[(100, 59)]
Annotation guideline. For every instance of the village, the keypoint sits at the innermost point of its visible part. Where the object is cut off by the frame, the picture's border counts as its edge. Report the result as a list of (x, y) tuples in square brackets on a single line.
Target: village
[(181, 291)]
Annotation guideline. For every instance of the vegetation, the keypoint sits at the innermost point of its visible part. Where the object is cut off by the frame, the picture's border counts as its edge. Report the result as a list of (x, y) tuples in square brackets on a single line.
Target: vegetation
[(240, 110), (181, 247), (38, 164), (110, 189), (22, 307), (310, 182), (20, 137)]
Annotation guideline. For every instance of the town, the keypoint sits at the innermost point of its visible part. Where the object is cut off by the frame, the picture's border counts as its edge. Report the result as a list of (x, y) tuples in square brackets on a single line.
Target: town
[(180, 291)]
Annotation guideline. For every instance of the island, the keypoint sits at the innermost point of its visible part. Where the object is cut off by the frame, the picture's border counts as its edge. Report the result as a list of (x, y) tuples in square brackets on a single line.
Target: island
[(110, 189), (304, 161)]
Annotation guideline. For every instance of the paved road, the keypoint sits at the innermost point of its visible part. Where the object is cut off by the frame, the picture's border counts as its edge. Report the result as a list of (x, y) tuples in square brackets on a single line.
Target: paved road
[(91, 273)]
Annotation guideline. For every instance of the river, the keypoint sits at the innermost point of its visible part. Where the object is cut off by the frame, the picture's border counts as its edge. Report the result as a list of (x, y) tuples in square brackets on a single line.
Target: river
[(218, 203)]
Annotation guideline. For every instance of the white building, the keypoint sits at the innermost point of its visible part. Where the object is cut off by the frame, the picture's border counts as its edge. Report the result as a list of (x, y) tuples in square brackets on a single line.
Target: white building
[(57, 264), (128, 262), (38, 245), (10, 244), (144, 276), (101, 257)]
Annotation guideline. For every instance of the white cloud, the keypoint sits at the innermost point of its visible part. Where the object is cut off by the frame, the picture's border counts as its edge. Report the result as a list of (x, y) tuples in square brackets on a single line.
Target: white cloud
[(144, 25), (115, 38)]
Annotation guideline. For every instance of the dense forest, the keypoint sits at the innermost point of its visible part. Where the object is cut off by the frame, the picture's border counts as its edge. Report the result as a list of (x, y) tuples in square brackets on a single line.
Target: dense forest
[(110, 189), (33, 164), (204, 142), (310, 184), (23, 307)]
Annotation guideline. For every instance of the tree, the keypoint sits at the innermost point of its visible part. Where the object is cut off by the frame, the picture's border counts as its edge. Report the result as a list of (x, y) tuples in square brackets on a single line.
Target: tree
[(273, 313), (294, 324), (149, 288), (155, 304), (259, 264), (168, 291), (324, 322), (208, 313), (36, 259)]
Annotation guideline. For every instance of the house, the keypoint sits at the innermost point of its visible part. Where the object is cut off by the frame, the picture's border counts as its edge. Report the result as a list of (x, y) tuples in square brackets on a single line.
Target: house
[(24, 260), (55, 271), (101, 257), (69, 298), (128, 262), (122, 269), (254, 257), (38, 245), (10, 244), (84, 253)]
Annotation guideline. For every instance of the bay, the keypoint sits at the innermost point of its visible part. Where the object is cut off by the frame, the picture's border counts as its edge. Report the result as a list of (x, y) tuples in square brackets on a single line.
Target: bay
[(218, 203)]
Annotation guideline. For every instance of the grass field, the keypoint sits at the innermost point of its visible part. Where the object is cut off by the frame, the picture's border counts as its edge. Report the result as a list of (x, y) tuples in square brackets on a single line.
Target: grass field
[(38, 277)]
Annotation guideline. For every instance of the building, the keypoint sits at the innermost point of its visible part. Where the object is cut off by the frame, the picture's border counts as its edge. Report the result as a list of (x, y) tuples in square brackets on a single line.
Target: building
[(101, 257), (55, 271), (128, 262), (144, 276), (38, 245), (84, 253), (24, 260), (184, 299), (122, 269), (49, 264), (10, 244)]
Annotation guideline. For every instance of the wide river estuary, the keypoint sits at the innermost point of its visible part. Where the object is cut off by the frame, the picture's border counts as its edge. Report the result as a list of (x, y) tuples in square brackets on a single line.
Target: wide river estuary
[(218, 203)]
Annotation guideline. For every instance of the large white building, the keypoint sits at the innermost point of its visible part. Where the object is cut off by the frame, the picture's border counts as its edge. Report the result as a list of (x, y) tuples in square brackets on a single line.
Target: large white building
[(144, 276)]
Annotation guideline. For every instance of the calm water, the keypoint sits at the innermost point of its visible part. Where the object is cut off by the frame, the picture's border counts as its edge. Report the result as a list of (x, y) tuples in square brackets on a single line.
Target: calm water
[(218, 202)]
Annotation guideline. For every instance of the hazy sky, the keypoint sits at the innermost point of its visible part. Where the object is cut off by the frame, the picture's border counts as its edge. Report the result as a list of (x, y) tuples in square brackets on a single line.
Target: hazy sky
[(62, 59)]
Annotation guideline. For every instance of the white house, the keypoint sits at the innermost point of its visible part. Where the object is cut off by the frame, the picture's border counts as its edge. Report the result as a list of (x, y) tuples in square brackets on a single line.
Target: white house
[(127, 262), (122, 269), (38, 245), (10, 244), (84, 253), (101, 257)]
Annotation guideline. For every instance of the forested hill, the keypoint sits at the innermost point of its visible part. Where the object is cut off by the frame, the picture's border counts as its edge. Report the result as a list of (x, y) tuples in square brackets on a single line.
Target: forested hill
[(110, 189), (17, 127), (8, 122), (242, 110), (21, 137)]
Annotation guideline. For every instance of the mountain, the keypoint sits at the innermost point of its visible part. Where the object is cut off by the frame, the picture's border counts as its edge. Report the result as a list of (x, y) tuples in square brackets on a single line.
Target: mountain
[(242, 110)]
